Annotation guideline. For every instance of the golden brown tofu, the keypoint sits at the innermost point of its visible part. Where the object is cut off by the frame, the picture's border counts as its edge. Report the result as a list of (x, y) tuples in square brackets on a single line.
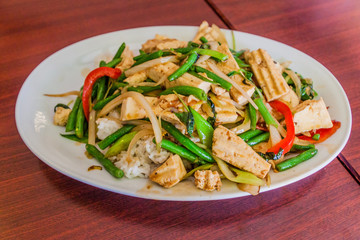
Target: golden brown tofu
[(136, 78), (162, 42), (131, 110), (267, 74), (212, 33), (231, 65), (126, 59), (169, 173), (207, 180), (232, 149), (226, 112), (61, 116), (311, 115)]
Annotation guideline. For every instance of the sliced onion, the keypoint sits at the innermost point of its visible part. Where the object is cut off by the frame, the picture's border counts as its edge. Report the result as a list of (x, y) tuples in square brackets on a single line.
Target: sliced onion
[(92, 128), (142, 127), (148, 64), (140, 134), (77, 93), (140, 99), (274, 135), (296, 80), (235, 85), (252, 189)]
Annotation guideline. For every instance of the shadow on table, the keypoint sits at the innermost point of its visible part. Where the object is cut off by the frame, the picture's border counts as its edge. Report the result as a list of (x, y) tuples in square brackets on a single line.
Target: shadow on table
[(164, 214)]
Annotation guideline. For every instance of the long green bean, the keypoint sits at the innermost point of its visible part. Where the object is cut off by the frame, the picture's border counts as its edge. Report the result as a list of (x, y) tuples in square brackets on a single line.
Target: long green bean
[(106, 163), (250, 134), (80, 121), (100, 104), (292, 162), (70, 125), (176, 149), (190, 145), (253, 117), (184, 68), (186, 91), (119, 51), (115, 136), (258, 139)]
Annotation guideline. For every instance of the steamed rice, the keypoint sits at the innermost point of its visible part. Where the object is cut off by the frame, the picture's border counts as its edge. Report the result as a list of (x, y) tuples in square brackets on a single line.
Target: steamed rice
[(146, 156)]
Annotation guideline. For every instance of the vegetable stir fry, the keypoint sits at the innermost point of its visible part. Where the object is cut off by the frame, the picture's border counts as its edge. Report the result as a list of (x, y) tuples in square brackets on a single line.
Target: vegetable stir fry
[(197, 110)]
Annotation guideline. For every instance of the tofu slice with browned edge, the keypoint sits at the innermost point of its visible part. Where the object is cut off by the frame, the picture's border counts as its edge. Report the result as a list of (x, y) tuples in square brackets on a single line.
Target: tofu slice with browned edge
[(267, 74), (233, 150), (310, 115), (161, 71), (169, 173), (162, 42), (212, 33), (231, 65)]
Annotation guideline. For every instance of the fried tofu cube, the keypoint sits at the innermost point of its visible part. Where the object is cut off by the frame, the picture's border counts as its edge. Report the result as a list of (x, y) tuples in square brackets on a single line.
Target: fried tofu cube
[(126, 59), (131, 110), (169, 173), (267, 74), (207, 180), (162, 42), (212, 33), (233, 150), (226, 113), (136, 78), (61, 116), (231, 65), (310, 115)]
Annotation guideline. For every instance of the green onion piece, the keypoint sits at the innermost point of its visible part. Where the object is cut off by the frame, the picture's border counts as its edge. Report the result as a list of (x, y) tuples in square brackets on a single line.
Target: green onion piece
[(269, 120), (184, 68)]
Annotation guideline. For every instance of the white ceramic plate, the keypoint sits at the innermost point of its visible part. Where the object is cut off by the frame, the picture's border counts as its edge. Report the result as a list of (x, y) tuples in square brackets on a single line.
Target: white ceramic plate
[(64, 71)]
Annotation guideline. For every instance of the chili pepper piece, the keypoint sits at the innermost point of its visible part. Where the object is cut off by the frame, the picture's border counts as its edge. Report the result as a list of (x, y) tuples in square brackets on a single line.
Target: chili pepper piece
[(90, 80), (288, 141)]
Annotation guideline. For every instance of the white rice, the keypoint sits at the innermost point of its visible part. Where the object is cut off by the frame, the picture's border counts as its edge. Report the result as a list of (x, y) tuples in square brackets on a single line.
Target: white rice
[(146, 156), (105, 127)]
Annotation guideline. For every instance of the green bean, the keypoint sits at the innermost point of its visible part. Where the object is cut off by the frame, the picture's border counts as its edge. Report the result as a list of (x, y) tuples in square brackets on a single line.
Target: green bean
[(186, 91), (106, 163), (115, 136), (183, 50), (70, 125), (120, 51), (202, 167), (291, 162), (297, 148), (190, 145), (116, 85), (269, 120), (149, 57), (113, 63), (101, 85), (203, 39), (184, 68), (61, 105), (250, 134), (80, 121), (215, 54), (223, 83), (253, 117), (120, 145), (144, 89), (73, 137), (258, 139), (100, 104), (176, 149)]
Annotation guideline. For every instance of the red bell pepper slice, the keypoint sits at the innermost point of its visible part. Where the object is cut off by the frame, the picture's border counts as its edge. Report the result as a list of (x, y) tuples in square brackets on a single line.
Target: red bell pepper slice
[(325, 133), (90, 80), (288, 141)]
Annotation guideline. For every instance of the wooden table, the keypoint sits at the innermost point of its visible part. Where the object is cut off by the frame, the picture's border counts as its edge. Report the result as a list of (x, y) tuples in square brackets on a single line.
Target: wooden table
[(37, 202)]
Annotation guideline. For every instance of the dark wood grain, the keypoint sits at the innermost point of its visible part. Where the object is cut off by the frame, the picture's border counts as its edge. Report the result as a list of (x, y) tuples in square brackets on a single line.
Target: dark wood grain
[(37, 202)]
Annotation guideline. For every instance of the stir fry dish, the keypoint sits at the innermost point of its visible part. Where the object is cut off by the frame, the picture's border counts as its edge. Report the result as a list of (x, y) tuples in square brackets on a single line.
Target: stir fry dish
[(198, 110)]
